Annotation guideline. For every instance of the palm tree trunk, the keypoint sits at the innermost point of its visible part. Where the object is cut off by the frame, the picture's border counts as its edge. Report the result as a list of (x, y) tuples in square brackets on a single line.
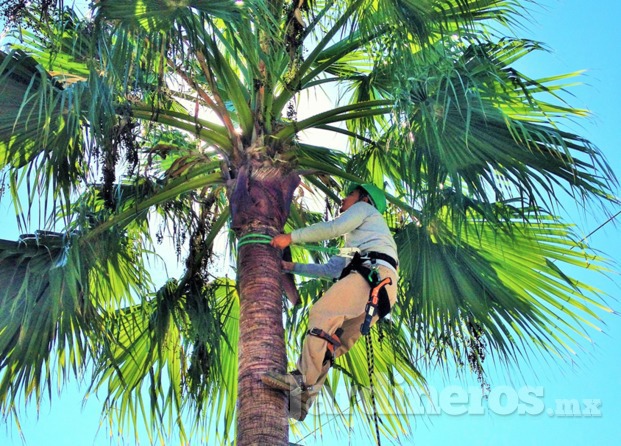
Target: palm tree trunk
[(260, 204), (261, 412)]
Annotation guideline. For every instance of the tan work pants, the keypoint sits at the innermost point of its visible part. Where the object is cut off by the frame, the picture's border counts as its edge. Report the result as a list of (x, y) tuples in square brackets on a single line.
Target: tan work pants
[(342, 306)]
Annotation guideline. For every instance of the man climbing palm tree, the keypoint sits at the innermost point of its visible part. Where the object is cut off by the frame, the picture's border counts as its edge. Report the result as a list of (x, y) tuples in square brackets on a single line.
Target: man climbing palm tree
[(335, 321)]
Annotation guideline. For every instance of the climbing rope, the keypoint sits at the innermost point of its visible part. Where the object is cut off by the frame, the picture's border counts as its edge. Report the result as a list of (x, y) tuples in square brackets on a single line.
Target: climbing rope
[(265, 239), (371, 366), (250, 239), (381, 334)]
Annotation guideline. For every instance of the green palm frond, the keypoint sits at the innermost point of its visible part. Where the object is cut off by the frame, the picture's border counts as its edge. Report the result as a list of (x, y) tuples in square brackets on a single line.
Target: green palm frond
[(173, 352), (64, 49), (157, 14), (201, 177), (458, 137), (40, 125), (509, 285), (58, 289)]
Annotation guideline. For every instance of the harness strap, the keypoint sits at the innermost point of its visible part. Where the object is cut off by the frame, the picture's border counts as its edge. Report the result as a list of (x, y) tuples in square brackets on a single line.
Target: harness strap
[(334, 341), (373, 255), (372, 278)]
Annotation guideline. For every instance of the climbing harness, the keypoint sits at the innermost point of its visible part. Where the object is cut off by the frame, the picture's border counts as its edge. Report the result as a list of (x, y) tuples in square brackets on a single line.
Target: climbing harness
[(380, 304), (334, 342)]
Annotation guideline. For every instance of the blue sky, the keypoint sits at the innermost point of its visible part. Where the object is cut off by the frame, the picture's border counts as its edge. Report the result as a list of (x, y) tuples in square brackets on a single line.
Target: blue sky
[(580, 35)]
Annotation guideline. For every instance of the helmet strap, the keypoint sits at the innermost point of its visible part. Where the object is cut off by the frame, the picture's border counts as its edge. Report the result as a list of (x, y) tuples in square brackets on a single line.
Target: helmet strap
[(363, 194)]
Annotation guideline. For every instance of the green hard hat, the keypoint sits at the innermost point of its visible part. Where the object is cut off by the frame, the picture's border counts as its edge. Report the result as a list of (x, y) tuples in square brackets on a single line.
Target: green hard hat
[(375, 193)]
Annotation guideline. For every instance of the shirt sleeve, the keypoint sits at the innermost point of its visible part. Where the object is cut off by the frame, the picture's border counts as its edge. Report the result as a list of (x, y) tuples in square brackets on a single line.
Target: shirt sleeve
[(346, 222), (332, 269)]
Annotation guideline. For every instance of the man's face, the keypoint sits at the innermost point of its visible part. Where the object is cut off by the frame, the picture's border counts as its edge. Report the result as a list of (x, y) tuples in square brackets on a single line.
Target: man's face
[(350, 200)]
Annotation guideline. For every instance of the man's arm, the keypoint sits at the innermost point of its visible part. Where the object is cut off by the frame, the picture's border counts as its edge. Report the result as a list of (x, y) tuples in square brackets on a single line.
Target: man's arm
[(349, 220), (331, 269), (344, 223)]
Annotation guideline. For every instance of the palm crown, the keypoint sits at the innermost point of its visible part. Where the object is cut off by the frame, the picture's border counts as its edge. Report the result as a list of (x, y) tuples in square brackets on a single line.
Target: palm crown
[(183, 115)]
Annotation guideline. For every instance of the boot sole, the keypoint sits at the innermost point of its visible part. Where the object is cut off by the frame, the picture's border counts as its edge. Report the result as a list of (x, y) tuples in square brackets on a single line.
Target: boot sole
[(277, 384), (295, 394)]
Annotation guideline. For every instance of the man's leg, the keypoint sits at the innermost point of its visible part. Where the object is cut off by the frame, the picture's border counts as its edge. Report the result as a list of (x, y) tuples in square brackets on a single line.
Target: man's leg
[(345, 300), (342, 306), (350, 333)]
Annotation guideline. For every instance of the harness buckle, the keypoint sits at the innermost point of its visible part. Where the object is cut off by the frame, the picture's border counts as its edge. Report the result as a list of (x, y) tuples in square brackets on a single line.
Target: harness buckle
[(374, 275), (348, 252)]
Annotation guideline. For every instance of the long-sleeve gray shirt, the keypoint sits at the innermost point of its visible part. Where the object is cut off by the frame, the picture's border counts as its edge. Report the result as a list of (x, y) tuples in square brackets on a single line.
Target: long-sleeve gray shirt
[(363, 227)]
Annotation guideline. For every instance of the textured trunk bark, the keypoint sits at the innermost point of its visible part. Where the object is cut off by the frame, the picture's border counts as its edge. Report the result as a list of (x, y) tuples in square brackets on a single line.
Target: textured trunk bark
[(261, 412), (260, 204)]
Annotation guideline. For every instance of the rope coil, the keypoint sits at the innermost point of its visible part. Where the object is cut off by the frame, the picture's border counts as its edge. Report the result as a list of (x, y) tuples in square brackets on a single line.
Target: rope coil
[(264, 239), (249, 239)]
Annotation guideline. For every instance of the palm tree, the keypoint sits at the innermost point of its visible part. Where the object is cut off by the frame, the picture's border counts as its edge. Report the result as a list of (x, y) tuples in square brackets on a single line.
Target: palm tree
[(180, 117)]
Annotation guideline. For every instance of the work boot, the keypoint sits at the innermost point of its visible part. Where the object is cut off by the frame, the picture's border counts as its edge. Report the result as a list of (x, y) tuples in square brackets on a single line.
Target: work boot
[(300, 397), (289, 382), (300, 404)]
